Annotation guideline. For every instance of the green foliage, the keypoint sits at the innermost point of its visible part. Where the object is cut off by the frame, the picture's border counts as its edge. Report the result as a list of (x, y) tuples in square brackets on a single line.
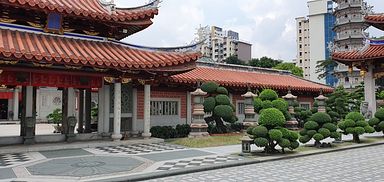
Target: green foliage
[(250, 130), (209, 87), (290, 67), (310, 133), (338, 102), (302, 115), (380, 114), (268, 94), (294, 145), (381, 125), (280, 104), (267, 104), (275, 134), (166, 132), (258, 104), (322, 67), (321, 118), (361, 123), (234, 60), (374, 121), (349, 123), (272, 118), (222, 90), (335, 135), (359, 130), (260, 131), (311, 125), (284, 143), (261, 142), (305, 139), (56, 116), (369, 129), (350, 130), (325, 132), (209, 104), (303, 132), (222, 99), (318, 137), (264, 62), (223, 111), (330, 126), (355, 116)]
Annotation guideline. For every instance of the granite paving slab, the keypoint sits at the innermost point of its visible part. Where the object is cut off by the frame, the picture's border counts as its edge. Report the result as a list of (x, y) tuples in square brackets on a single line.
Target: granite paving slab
[(157, 157), (7, 173), (65, 153), (12, 159)]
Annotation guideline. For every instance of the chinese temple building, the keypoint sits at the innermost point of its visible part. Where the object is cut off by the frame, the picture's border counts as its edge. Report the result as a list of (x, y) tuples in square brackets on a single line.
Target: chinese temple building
[(369, 59), (75, 46)]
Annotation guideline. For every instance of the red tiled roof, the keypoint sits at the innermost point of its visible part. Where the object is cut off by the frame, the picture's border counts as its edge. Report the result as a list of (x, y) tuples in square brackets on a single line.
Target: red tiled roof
[(378, 18), (372, 52), (236, 78), (47, 48), (88, 8)]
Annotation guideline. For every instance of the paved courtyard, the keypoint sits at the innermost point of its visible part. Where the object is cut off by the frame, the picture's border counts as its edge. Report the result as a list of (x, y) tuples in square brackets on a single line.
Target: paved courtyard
[(364, 164)]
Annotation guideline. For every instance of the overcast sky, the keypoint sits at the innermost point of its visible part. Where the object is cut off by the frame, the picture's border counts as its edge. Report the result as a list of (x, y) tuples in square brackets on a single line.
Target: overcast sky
[(268, 24)]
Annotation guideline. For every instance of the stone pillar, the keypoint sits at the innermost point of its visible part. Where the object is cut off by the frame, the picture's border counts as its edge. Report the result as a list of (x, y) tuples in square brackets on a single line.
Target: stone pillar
[(290, 98), (107, 104), (116, 136), (189, 108), (249, 112), (71, 102), (71, 118), (198, 126), (15, 104), (80, 128), (88, 108), (100, 110), (147, 111), (369, 90), (30, 116), (134, 112)]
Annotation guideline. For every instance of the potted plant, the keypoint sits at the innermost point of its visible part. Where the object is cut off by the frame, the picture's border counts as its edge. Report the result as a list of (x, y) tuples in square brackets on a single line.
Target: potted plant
[(56, 117)]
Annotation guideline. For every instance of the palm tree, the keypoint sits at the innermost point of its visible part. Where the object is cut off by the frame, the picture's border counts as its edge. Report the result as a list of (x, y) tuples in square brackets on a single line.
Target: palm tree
[(322, 67)]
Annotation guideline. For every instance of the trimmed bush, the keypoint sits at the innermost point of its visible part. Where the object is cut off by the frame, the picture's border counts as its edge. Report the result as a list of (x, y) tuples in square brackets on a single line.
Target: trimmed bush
[(321, 118), (260, 131), (380, 114), (305, 139), (222, 100), (272, 118), (222, 90), (261, 142), (310, 133), (350, 130), (209, 87), (381, 125), (294, 145), (280, 104), (284, 143), (318, 137), (374, 121), (335, 135), (325, 132), (349, 123), (303, 132), (311, 125), (369, 129), (250, 130), (258, 104), (275, 134), (355, 116), (268, 94), (209, 104), (224, 111), (267, 104), (361, 123), (183, 130), (359, 130), (330, 126), (166, 132)]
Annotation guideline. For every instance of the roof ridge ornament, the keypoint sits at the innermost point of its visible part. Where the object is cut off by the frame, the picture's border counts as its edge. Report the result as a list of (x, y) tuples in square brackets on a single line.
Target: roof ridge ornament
[(366, 9), (194, 47), (109, 5)]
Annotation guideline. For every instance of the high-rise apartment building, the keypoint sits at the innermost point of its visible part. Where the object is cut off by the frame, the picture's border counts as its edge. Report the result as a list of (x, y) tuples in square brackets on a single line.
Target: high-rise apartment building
[(302, 57), (220, 44)]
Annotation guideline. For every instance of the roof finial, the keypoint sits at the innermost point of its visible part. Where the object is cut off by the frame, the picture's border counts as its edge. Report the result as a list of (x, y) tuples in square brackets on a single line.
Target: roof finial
[(109, 5)]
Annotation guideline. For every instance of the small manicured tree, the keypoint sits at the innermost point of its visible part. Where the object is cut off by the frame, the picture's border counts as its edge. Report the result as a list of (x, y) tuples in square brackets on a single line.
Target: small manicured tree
[(356, 125), (219, 104), (319, 127), (378, 121), (271, 132), (302, 115), (269, 99)]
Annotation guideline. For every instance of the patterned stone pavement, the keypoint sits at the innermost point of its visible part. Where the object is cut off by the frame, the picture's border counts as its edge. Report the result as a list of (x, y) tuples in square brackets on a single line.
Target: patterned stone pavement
[(364, 164)]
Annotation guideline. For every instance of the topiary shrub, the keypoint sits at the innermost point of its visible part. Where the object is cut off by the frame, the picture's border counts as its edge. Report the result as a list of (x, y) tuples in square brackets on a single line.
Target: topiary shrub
[(218, 103), (268, 94), (271, 133), (378, 121), (356, 125), (258, 105), (319, 127)]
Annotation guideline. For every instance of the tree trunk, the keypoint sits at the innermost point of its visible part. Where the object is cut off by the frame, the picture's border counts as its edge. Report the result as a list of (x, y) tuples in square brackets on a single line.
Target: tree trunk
[(220, 125), (317, 144), (356, 138)]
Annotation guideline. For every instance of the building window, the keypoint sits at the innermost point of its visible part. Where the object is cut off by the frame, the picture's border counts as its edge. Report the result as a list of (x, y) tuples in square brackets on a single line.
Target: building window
[(164, 108), (305, 105), (240, 108)]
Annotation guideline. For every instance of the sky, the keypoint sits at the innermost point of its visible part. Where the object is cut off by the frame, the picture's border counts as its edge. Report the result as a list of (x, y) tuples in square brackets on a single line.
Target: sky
[(268, 24)]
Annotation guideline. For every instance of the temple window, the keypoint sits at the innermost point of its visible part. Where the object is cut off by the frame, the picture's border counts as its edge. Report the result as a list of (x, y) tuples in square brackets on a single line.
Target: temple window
[(164, 108), (54, 23)]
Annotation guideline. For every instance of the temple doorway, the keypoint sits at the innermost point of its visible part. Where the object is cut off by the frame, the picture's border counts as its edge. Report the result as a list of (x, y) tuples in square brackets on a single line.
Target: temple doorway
[(3, 109)]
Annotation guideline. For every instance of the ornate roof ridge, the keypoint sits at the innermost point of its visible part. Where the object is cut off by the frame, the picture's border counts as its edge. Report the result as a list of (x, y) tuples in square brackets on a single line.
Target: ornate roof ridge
[(194, 47), (153, 4)]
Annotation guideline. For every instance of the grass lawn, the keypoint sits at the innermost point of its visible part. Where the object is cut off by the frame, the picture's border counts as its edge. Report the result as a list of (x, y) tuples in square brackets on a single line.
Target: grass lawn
[(212, 141)]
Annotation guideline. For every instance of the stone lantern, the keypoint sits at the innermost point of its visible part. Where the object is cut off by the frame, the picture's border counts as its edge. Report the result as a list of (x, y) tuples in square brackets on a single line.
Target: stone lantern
[(199, 127), (290, 98), (321, 102), (249, 110), (246, 142)]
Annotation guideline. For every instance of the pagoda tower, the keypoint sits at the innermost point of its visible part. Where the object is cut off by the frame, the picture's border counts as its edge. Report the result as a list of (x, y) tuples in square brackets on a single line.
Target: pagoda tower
[(350, 35)]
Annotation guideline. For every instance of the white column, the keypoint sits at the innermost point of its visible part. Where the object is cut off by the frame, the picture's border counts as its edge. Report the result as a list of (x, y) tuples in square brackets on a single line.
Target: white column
[(100, 109), (117, 113), (147, 111), (370, 89), (29, 101), (189, 108), (71, 102), (107, 104), (134, 110), (16, 104)]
